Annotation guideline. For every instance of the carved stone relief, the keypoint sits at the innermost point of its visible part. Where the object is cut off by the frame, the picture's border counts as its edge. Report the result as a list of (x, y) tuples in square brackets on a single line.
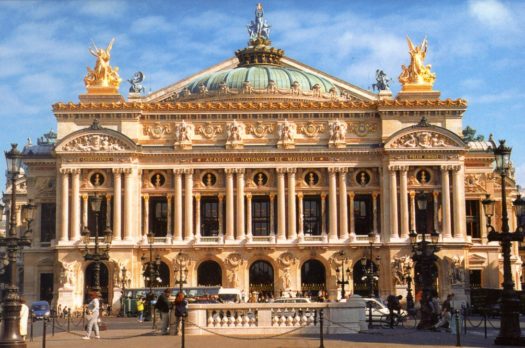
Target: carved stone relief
[(337, 130), (362, 129), (235, 133), (401, 267), (260, 129), (287, 132), (423, 139), (209, 130), (184, 135), (475, 183), (95, 142), (311, 129), (157, 130)]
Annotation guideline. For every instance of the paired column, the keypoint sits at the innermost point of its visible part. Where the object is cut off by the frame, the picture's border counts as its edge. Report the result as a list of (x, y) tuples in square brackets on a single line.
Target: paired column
[(272, 213), (292, 218), (323, 214), (332, 196), (445, 202), (188, 204), (85, 198), (117, 203), (403, 201), (221, 217), (343, 206), (128, 203), (75, 205), (393, 202), (64, 204), (197, 217), (351, 196), (240, 204), (458, 186), (281, 205), (435, 194), (300, 232), (177, 227), (170, 218), (413, 211), (229, 204)]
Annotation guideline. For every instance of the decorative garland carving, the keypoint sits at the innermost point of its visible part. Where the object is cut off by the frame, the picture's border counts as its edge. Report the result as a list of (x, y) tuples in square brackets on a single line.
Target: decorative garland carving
[(209, 130), (362, 129), (259, 129), (95, 142), (286, 259), (424, 139), (156, 130), (312, 129)]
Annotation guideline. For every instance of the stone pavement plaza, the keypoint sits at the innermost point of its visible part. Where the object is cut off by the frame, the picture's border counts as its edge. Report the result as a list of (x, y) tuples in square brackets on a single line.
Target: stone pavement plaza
[(127, 333)]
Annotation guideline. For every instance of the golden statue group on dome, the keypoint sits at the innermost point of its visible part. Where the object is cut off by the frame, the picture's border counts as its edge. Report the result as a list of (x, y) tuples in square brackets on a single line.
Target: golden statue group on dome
[(417, 73), (103, 76)]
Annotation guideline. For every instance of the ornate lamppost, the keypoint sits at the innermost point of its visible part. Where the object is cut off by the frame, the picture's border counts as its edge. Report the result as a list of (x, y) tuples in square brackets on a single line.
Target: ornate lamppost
[(151, 272), (510, 332), (98, 255), (370, 274), (425, 258), (340, 273), (410, 298), (182, 271), (10, 334), (123, 312)]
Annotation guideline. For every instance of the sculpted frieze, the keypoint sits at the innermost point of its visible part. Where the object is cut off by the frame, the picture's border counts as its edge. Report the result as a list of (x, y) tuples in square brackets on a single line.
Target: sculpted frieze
[(95, 142), (424, 139), (475, 182), (184, 134), (312, 129), (209, 130), (337, 130), (362, 129), (287, 132), (235, 131), (156, 130)]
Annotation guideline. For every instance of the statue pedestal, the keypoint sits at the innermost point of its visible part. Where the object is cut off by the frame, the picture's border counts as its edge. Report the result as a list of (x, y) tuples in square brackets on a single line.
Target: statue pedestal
[(460, 295), (402, 290), (116, 305), (66, 297)]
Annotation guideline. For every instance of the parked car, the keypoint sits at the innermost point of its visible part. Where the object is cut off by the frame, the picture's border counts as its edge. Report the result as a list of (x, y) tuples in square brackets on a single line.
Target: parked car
[(292, 300), (40, 309), (378, 309), (230, 295)]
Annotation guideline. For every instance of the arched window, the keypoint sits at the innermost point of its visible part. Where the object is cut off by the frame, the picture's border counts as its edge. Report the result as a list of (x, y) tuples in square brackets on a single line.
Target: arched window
[(209, 273), (313, 278), (163, 279), (89, 280), (361, 282), (261, 278)]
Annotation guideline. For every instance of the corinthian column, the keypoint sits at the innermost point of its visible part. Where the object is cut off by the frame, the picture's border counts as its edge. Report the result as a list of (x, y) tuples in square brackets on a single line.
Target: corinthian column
[(178, 204), (445, 202), (343, 207), (435, 194), (272, 213), (240, 204), (64, 204), (128, 203), (281, 205), (292, 217), (188, 204), (75, 204), (375, 215), (332, 196), (170, 217), (220, 216), (323, 214), (458, 186), (403, 201), (229, 204), (117, 203), (393, 202)]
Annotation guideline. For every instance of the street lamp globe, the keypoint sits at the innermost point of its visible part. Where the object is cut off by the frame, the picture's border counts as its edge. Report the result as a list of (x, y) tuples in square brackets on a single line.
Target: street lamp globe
[(85, 235), (519, 204), (28, 211), (421, 199), (413, 237), (502, 154), (488, 206), (96, 202), (151, 238), (108, 235), (14, 160), (434, 237)]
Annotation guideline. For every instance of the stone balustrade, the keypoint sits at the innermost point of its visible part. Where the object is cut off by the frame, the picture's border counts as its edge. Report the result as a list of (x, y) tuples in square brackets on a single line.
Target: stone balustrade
[(275, 318)]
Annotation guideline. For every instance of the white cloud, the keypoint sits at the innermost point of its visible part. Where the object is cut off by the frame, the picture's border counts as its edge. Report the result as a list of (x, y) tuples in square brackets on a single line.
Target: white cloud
[(151, 24), (103, 8), (492, 13)]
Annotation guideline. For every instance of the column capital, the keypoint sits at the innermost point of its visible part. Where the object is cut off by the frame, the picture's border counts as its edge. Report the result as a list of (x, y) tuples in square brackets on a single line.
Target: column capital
[(393, 169), (291, 170), (178, 171), (197, 197), (116, 171), (323, 195), (435, 194), (239, 170), (146, 197), (456, 168), (64, 171), (412, 194), (168, 196), (229, 171), (351, 194), (248, 196), (333, 170), (445, 168), (75, 171), (375, 194), (221, 197), (127, 171), (188, 171), (280, 170), (402, 169), (343, 170), (108, 196), (85, 196), (300, 195), (272, 196)]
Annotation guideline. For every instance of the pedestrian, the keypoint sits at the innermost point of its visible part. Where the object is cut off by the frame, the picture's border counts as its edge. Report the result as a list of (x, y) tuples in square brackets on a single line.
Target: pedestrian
[(181, 310), (24, 316), (446, 313), (140, 309), (163, 305), (393, 304), (65, 311), (93, 310), (59, 310), (436, 307)]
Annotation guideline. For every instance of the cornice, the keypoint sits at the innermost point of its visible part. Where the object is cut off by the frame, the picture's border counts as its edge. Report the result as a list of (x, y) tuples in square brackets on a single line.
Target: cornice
[(255, 104)]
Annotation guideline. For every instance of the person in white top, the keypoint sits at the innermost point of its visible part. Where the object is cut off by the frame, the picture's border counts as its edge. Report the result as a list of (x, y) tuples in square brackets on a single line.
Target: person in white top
[(24, 316), (93, 312)]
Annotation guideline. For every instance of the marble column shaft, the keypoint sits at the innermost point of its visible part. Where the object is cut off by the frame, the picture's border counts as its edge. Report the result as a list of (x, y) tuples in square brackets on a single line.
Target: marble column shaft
[(393, 202), (229, 205), (188, 204), (403, 201), (64, 204), (332, 196), (292, 217), (458, 186), (240, 205), (343, 206), (177, 228), (75, 205), (117, 204), (281, 205), (128, 204), (445, 202)]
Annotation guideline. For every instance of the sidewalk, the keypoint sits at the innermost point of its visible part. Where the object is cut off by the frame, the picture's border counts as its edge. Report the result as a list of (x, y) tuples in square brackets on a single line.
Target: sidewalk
[(127, 333)]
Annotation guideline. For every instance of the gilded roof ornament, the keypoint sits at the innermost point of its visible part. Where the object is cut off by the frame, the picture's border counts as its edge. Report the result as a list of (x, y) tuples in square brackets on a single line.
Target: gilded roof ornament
[(103, 79), (259, 29), (417, 76)]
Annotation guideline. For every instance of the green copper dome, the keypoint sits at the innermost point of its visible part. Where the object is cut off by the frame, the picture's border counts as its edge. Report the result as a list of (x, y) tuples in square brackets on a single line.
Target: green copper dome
[(259, 77)]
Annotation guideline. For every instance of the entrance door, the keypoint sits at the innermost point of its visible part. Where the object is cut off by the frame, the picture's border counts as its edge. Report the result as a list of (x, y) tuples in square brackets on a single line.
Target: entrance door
[(46, 287), (261, 278), (89, 281)]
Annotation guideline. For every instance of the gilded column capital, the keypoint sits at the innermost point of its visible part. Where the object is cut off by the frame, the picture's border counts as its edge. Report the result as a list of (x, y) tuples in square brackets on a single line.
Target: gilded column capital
[(323, 195), (108, 196), (375, 194), (435, 194), (197, 197), (272, 196), (248, 196), (85, 196), (300, 195), (168, 196), (351, 194), (412, 194), (221, 197), (280, 170), (145, 196), (188, 171)]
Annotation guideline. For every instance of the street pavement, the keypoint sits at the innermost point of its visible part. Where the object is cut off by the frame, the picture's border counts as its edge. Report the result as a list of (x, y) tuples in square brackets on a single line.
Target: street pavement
[(128, 333)]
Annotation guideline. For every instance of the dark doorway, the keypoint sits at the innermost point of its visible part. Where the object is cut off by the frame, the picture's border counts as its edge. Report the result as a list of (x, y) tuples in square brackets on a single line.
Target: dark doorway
[(261, 278), (209, 273), (418, 273), (313, 278), (46, 287), (425, 217), (475, 278), (89, 281), (163, 278), (361, 285)]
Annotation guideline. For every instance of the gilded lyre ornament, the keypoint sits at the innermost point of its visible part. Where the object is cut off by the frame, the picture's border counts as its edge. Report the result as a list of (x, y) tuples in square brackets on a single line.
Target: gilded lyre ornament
[(417, 75), (103, 76)]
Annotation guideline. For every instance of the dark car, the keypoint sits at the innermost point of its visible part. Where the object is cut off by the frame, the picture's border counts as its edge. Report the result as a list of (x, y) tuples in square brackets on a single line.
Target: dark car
[(40, 309)]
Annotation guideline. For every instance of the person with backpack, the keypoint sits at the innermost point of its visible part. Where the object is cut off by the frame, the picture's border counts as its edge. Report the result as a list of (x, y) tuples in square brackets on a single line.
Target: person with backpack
[(163, 306), (181, 310)]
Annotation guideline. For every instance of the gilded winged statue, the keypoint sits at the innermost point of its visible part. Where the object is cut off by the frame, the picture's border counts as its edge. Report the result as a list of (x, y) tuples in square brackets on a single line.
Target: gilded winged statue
[(103, 75), (417, 72)]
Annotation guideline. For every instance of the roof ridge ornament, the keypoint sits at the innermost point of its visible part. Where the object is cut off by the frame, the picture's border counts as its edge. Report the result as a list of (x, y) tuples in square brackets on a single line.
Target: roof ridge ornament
[(96, 125), (423, 122), (259, 50), (103, 79)]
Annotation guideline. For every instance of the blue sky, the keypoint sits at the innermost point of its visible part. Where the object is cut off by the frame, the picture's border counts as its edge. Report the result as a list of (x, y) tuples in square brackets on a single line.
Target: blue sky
[(476, 50)]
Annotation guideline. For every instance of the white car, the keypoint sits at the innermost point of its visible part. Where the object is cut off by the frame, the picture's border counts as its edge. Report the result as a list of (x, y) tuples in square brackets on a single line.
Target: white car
[(378, 309), (292, 300)]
